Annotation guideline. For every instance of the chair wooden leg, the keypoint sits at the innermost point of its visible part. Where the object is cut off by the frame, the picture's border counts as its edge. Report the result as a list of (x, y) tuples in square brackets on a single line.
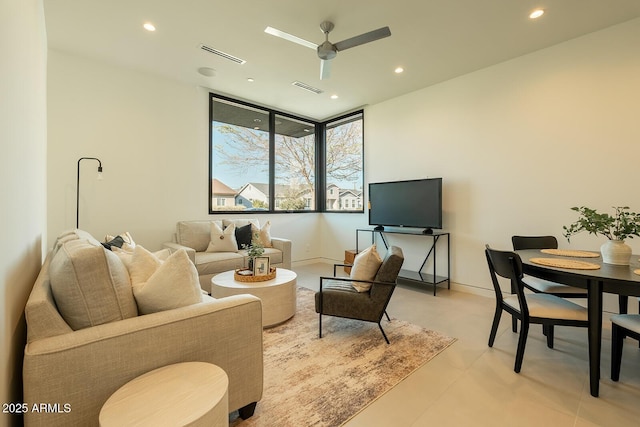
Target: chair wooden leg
[(522, 343), (494, 326), (383, 334), (549, 336), (616, 351)]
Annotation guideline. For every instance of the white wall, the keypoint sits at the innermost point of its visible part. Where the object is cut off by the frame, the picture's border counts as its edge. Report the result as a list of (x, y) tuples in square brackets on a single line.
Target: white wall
[(22, 174), (151, 135), (517, 144)]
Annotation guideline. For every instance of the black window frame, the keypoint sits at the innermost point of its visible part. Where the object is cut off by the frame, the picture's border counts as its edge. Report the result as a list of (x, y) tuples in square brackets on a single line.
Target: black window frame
[(320, 182)]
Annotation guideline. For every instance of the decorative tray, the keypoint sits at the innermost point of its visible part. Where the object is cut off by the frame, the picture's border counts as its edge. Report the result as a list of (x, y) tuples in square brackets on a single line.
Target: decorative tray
[(566, 252), (565, 263), (246, 275)]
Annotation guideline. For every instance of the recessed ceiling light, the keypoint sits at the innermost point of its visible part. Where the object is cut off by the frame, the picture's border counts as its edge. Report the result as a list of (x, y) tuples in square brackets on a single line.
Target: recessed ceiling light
[(256, 127), (149, 26), (536, 13), (334, 96), (398, 70), (250, 80)]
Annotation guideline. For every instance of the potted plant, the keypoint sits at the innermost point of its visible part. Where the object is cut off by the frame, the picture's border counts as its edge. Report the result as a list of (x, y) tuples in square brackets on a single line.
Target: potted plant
[(255, 249), (616, 228)]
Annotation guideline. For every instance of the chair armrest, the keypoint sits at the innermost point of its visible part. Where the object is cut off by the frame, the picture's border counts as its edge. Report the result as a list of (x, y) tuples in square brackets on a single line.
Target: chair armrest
[(83, 368), (348, 279), (284, 245), (340, 265), (173, 247)]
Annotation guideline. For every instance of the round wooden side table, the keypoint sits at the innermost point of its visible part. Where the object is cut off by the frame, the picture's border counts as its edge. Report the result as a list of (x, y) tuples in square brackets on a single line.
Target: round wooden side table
[(190, 393)]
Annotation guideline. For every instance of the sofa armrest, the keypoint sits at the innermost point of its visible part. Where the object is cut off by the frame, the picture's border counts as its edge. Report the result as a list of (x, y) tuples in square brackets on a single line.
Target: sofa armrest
[(83, 368), (173, 247), (284, 245)]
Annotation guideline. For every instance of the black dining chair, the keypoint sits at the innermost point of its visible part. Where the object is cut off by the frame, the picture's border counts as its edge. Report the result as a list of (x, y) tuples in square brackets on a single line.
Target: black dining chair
[(538, 308), (536, 284), (622, 325)]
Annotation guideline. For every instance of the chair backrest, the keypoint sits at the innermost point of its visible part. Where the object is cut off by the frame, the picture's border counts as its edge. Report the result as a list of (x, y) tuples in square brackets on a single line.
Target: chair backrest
[(534, 242), (391, 265), (387, 273), (508, 265)]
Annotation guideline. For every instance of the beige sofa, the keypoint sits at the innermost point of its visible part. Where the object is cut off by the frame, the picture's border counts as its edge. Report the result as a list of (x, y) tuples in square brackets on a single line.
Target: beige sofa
[(195, 236), (73, 372)]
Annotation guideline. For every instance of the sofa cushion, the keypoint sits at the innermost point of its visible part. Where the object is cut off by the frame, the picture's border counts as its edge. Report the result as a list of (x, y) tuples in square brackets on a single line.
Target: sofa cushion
[(216, 262), (240, 222), (174, 284), (195, 234), (90, 285), (223, 240), (365, 267)]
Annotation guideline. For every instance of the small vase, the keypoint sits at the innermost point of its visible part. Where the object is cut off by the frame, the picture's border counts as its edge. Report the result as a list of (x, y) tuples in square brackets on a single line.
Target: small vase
[(616, 252)]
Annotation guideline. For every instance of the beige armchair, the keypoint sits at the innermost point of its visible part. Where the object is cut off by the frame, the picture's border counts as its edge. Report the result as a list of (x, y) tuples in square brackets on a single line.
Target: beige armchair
[(75, 372)]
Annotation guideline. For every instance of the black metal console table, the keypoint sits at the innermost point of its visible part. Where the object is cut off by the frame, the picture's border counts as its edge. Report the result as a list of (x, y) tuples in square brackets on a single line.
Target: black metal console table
[(417, 276)]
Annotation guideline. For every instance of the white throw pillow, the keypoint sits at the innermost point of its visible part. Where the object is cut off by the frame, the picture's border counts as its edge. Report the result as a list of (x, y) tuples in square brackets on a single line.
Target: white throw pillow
[(223, 241), (174, 284), (365, 266), (264, 234), (143, 265)]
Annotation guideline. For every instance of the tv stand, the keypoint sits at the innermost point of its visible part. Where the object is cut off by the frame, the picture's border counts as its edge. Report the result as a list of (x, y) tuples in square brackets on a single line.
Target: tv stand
[(416, 276)]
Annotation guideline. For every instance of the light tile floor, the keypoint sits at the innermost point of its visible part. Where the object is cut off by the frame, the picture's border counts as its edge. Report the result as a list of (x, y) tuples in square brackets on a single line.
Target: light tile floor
[(470, 384)]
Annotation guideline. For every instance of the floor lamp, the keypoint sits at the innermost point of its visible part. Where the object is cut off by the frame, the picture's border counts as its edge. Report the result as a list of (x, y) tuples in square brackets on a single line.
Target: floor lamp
[(78, 185)]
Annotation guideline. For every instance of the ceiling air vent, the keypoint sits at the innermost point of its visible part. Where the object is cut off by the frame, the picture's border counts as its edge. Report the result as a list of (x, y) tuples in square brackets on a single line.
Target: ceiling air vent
[(307, 87), (222, 54)]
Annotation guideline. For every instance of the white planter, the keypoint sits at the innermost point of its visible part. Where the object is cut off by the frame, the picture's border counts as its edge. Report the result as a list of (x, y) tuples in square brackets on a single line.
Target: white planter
[(616, 252)]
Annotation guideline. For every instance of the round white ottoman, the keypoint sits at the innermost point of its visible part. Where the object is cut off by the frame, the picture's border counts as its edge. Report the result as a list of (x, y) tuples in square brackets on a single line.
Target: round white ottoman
[(278, 295), (190, 393)]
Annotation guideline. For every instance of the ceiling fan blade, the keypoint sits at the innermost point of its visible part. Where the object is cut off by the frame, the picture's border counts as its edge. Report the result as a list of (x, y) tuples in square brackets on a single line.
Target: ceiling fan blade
[(371, 36), (290, 37), (325, 69)]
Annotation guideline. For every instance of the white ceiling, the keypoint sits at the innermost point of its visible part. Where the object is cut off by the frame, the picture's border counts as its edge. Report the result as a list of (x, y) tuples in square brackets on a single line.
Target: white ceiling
[(434, 40)]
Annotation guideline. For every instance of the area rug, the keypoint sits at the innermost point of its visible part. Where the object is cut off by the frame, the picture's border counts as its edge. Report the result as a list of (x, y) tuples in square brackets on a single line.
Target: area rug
[(324, 382)]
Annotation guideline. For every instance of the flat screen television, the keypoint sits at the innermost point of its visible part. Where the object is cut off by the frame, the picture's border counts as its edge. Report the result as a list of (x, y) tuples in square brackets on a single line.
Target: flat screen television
[(415, 204)]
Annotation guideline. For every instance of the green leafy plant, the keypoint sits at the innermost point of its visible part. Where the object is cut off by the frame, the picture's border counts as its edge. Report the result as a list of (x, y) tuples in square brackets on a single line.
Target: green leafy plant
[(256, 248), (622, 225)]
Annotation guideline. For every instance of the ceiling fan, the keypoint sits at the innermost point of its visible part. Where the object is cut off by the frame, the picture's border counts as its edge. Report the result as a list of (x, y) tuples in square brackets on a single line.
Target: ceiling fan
[(327, 50)]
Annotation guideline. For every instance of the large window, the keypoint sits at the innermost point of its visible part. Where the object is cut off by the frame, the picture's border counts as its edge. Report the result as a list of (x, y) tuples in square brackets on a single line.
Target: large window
[(343, 164), (295, 164), (263, 160)]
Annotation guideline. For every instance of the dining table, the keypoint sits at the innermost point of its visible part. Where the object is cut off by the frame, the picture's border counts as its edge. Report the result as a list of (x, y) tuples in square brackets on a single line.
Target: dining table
[(597, 277)]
